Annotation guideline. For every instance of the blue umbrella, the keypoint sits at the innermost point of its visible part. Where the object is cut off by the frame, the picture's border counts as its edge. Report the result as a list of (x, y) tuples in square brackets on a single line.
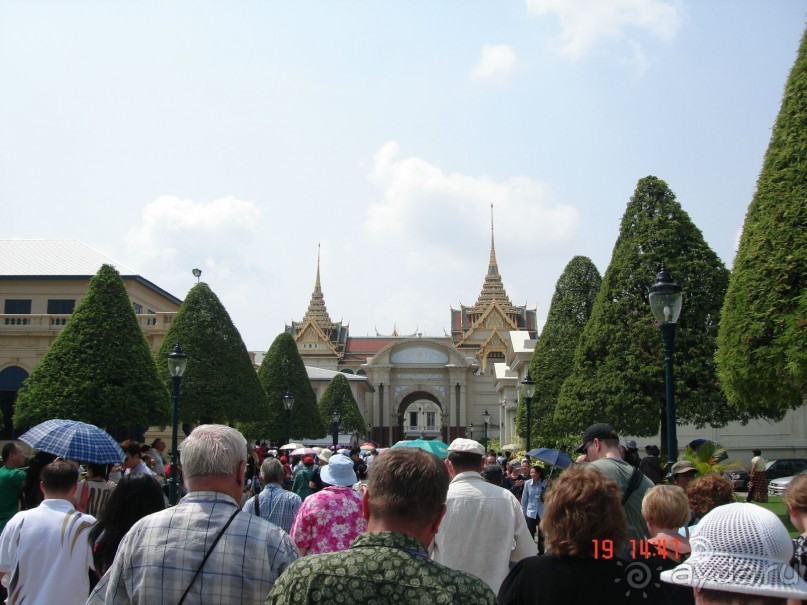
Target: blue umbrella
[(436, 447), (553, 457), (74, 440)]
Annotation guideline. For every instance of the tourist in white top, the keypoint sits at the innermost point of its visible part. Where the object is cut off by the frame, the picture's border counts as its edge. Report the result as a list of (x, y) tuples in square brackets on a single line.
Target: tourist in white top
[(483, 529), (45, 556)]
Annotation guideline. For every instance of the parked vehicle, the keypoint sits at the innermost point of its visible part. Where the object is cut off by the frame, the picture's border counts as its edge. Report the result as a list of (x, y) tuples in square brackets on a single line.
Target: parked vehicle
[(739, 479), (778, 486), (774, 469)]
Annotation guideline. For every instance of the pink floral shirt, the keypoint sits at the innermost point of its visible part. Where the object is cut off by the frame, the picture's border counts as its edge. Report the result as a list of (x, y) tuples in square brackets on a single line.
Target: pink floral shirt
[(328, 520)]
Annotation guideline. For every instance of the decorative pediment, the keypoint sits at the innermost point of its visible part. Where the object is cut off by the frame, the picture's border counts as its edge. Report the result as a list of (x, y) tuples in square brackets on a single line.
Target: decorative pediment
[(494, 319), (310, 332)]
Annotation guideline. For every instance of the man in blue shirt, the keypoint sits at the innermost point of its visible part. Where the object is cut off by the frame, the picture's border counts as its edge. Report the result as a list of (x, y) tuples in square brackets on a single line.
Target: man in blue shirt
[(274, 503)]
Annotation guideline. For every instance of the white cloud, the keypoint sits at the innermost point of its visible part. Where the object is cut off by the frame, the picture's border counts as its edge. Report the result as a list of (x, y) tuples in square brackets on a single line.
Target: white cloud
[(585, 23), (494, 61), (423, 203), (175, 235)]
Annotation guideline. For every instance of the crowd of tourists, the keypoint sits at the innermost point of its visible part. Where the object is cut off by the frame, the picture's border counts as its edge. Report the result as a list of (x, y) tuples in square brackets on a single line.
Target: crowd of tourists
[(401, 526)]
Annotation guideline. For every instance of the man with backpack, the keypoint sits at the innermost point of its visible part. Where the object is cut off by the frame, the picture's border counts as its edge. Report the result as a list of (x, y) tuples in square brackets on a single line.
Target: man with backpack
[(601, 446)]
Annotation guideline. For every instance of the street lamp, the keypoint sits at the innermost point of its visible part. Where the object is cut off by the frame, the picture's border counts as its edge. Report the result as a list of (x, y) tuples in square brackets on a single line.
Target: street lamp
[(177, 361), (337, 414), (471, 429), (288, 402), (486, 420), (665, 303), (529, 389)]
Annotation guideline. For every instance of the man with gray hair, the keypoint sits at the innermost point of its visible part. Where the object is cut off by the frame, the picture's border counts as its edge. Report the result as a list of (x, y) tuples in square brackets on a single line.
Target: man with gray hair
[(205, 549), (274, 503)]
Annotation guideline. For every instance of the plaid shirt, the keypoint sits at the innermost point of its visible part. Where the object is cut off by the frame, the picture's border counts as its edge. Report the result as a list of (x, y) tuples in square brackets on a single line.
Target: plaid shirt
[(157, 559), (276, 505)]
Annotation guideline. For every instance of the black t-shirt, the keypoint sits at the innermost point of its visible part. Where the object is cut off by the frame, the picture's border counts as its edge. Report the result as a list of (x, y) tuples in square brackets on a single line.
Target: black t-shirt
[(549, 579)]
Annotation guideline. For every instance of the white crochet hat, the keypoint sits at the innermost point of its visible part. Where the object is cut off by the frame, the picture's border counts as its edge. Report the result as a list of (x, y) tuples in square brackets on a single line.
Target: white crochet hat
[(742, 548)]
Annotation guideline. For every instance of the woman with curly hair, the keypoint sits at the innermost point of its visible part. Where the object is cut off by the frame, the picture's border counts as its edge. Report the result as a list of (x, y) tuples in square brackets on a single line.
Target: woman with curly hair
[(708, 492), (584, 527)]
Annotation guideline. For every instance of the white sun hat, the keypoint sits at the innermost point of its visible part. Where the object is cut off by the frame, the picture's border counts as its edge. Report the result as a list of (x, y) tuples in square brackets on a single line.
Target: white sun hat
[(742, 548), (339, 471)]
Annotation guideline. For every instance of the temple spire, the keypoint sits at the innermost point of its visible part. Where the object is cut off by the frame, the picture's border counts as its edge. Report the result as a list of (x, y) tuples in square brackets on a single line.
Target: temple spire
[(492, 289), (317, 312), (493, 267), (317, 285)]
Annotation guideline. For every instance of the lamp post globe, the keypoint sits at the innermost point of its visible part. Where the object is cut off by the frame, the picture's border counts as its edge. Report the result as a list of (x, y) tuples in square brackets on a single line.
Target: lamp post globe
[(666, 300), (177, 362), (471, 429), (288, 403), (528, 385)]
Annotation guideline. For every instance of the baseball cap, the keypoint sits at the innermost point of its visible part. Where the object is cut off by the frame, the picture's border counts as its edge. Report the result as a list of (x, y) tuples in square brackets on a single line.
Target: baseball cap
[(741, 548), (308, 460), (600, 431), (467, 446), (682, 466)]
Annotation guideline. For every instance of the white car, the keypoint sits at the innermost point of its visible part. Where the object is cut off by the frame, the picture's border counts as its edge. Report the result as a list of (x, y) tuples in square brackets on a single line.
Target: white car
[(777, 487)]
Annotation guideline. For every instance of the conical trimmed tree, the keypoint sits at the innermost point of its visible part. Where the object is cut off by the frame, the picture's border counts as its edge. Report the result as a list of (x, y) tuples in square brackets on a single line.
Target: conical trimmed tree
[(762, 350), (553, 358), (283, 369), (338, 393), (220, 383), (618, 372), (99, 369)]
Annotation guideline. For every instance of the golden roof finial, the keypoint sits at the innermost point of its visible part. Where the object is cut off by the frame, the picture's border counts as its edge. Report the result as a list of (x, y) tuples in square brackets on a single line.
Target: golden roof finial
[(492, 289), (317, 312), (493, 267)]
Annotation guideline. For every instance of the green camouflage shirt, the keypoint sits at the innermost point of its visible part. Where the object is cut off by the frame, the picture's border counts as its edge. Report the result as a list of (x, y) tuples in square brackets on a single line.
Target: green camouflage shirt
[(379, 568)]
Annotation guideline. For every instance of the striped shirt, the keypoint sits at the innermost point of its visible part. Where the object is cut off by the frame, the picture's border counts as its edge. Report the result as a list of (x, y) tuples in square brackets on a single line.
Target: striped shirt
[(158, 558), (276, 505)]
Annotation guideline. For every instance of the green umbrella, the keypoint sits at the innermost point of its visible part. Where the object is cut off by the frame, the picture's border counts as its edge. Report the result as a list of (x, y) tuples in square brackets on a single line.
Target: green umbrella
[(436, 447)]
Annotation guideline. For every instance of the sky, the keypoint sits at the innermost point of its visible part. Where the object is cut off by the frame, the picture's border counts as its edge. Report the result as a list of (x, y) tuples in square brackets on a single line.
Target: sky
[(243, 137)]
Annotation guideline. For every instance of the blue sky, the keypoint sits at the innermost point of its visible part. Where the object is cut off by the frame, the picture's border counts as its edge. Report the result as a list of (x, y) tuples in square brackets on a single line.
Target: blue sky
[(238, 136)]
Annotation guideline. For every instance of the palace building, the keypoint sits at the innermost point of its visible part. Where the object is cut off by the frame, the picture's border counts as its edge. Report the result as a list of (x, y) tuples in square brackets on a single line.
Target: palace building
[(428, 386)]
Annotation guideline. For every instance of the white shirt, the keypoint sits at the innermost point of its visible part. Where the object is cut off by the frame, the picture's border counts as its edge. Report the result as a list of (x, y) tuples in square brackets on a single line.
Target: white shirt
[(482, 531), (140, 467), (45, 554)]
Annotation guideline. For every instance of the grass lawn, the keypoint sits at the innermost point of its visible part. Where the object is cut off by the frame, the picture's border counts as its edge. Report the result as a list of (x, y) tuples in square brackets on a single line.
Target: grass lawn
[(775, 505)]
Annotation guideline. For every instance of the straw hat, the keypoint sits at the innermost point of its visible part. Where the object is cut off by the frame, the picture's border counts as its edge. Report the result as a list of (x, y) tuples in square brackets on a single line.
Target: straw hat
[(741, 548)]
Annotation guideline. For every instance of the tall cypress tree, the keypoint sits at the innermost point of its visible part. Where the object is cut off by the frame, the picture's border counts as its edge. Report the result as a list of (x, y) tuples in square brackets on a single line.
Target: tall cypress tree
[(283, 369), (553, 358), (762, 350), (618, 372), (220, 383), (338, 393), (100, 369)]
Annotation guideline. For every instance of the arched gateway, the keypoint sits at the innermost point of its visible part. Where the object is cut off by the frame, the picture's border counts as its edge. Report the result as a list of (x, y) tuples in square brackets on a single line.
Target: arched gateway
[(421, 390)]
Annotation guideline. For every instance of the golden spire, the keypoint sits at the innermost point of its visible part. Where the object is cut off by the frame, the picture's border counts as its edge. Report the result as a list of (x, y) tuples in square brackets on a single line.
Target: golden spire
[(492, 289), (317, 312), (493, 267)]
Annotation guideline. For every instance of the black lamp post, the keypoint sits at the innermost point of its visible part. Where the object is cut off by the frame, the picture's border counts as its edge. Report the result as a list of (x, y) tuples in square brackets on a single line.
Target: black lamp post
[(288, 402), (529, 389), (665, 303), (337, 414), (471, 429), (177, 361), (486, 420)]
